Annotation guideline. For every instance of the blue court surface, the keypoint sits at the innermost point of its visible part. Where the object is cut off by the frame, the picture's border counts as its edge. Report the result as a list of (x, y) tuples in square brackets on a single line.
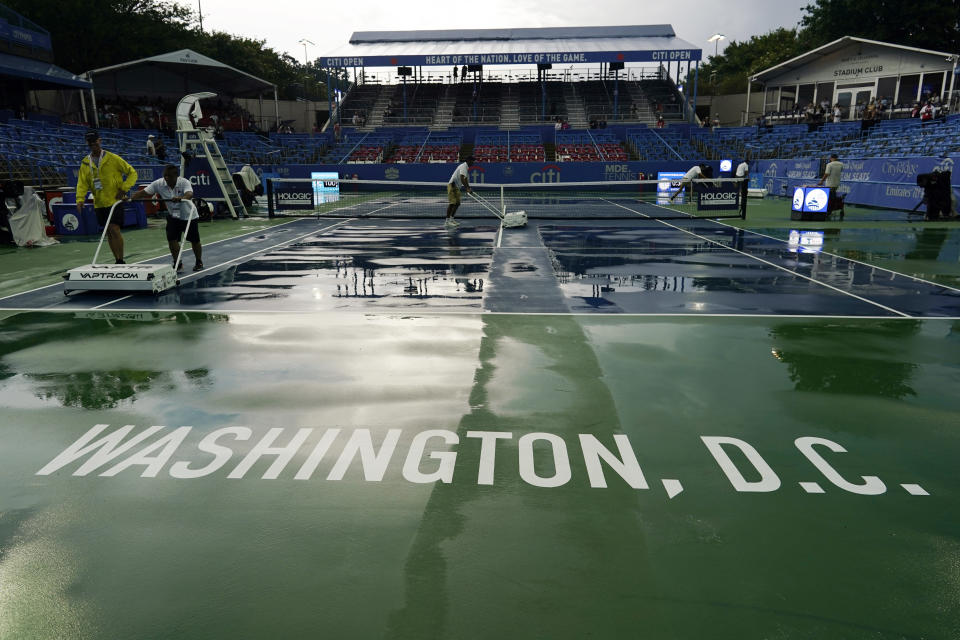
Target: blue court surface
[(613, 266)]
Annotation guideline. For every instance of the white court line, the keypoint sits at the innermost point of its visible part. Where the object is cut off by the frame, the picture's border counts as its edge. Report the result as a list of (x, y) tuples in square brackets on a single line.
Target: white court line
[(239, 258), (772, 264), (466, 312), (827, 253), (58, 284)]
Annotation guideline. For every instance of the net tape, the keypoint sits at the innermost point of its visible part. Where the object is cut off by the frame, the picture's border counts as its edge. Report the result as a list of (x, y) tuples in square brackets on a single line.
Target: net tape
[(710, 198)]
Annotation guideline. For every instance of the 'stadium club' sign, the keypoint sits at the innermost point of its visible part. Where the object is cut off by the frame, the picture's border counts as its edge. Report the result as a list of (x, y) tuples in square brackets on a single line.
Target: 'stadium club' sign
[(717, 198)]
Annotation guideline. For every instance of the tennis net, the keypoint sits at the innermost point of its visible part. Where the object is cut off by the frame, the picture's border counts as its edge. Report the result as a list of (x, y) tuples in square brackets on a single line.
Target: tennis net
[(713, 198)]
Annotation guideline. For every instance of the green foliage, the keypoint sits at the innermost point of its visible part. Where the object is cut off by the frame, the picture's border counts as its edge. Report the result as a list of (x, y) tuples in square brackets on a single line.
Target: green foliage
[(740, 59), (90, 34), (925, 24)]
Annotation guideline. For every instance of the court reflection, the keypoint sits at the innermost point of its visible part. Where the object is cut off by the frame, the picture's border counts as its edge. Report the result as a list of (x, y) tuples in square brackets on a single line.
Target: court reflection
[(727, 270), (846, 358), (476, 542), (358, 266), (100, 360)]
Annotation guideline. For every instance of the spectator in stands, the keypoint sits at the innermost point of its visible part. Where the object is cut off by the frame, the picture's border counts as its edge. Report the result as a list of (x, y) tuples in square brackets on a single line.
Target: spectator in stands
[(109, 177), (558, 124), (336, 131), (161, 150), (173, 190), (660, 122), (454, 73), (926, 113), (356, 119), (832, 176), (457, 182), (463, 73), (151, 148), (837, 113), (915, 112), (693, 173), (716, 122), (743, 171)]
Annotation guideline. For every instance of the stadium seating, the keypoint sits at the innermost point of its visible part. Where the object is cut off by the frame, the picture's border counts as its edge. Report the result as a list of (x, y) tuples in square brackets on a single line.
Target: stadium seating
[(589, 146)]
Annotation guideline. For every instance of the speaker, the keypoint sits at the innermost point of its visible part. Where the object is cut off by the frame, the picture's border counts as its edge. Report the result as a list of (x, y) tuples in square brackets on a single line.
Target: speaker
[(544, 67), (475, 67), (404, 71), (616, 66)]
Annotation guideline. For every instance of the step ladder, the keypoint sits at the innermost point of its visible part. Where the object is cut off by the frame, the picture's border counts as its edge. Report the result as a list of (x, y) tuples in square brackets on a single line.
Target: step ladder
[(200, 143)]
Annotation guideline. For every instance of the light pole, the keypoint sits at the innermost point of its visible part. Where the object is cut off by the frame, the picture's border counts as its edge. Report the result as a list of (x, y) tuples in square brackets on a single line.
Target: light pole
[(306, 91), (715, 39)]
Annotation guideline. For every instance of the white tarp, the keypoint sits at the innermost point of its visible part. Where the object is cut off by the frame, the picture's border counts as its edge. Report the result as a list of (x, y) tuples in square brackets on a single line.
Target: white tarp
[(28, 223)]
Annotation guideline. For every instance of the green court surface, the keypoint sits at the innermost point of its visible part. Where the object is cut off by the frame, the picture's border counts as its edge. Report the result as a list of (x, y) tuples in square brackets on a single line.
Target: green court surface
[(469, 509), (413, 475)]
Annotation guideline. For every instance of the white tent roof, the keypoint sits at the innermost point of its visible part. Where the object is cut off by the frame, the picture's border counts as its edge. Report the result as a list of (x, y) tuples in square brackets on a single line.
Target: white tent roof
[(175, 74)]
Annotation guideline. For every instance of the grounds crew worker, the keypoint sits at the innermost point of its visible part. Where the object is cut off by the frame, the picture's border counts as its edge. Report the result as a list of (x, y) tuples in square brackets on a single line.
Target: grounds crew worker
[(103, 173)]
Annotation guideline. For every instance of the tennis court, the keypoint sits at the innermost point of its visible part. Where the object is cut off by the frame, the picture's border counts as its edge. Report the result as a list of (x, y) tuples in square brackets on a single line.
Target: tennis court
[(591, 426)]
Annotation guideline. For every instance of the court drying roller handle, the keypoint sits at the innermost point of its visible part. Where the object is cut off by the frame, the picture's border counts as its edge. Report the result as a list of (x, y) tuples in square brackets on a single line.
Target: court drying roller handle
[(107, 226)]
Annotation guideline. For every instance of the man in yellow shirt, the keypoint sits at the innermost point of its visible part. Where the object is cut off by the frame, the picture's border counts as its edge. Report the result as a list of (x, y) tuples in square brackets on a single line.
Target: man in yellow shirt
[(109, 177)]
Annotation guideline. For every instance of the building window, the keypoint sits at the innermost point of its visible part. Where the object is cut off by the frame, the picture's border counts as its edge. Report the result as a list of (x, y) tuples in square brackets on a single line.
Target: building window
[(908, 90), (932, 85)]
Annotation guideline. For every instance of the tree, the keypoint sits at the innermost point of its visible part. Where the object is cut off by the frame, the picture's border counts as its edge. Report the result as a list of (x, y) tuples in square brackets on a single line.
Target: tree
[(925, 24), (741, 59), (115, 31)]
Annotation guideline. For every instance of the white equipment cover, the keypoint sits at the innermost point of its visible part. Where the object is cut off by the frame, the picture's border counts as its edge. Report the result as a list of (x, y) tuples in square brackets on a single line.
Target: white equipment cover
[(250, 178), (27, 224)]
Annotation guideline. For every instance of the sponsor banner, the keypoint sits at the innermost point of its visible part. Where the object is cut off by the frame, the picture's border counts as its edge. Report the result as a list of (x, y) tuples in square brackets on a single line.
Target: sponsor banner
[(200, 174), (293, 195), (878, 182), (661, 55), (498, 173), (717, 198)]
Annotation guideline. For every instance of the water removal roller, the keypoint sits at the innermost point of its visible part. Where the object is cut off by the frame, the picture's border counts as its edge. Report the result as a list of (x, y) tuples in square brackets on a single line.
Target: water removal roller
[(148, 278)]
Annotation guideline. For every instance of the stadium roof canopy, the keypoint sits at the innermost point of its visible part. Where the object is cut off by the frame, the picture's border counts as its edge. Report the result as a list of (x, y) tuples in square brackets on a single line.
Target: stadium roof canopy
[(39, 74), (832, 47), (639, 43), (176, 74)]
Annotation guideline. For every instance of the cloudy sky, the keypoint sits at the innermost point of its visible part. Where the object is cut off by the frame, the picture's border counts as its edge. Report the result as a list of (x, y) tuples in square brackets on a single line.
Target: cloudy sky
[(329, 24)]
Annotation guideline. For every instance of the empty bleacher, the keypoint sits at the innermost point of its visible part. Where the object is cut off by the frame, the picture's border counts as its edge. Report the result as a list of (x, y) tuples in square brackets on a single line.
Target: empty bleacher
[(589, 146), (426, 146), (509, 147)]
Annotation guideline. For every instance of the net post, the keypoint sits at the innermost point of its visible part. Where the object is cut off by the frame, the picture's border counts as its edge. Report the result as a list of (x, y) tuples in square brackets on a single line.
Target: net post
[(503, 202), (271, 212)]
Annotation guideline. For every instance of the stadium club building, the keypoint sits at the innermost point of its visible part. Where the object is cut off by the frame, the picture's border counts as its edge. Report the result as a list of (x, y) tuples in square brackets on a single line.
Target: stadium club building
[(852, 71)]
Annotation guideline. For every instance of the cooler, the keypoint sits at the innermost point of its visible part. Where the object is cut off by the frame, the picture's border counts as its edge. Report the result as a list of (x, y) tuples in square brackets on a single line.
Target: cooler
[(68, 222)]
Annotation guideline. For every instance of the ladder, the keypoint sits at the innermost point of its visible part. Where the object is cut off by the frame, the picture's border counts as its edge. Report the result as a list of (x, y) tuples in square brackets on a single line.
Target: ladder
[(200, 143), (192, 141)]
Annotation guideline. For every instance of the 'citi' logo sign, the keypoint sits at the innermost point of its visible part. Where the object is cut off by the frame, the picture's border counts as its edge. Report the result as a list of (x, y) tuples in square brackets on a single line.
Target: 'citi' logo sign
[(549, 173), (201, 178)]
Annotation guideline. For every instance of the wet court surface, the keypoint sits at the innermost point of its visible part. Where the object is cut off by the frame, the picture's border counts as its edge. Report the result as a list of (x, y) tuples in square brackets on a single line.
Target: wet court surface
[(637, 267), (464, 476), (486, 443)]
